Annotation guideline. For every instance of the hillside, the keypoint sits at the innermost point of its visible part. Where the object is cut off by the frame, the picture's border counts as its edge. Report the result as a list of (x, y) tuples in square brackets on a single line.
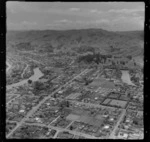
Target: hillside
[(77, 42)]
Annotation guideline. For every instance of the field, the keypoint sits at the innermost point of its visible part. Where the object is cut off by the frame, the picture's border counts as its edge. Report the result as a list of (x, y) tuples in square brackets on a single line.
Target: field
[(118, 103)]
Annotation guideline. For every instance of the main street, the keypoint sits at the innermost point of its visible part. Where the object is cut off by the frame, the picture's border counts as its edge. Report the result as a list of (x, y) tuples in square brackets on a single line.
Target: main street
[(34, 109), (112, 135)]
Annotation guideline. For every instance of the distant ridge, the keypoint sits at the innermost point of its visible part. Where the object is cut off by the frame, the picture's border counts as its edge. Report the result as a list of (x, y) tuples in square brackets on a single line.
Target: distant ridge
[(9, 30), (79, 41)]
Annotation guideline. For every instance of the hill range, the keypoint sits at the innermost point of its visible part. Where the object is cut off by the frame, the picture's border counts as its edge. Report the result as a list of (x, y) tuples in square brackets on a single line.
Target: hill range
[(78, 42)]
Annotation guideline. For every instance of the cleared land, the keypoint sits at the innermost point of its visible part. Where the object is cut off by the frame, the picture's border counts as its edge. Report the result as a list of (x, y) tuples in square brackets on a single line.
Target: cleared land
[(118, 103)]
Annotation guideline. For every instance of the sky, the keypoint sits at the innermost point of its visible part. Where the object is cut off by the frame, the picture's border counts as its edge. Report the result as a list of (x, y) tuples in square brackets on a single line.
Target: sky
[(111, 16)]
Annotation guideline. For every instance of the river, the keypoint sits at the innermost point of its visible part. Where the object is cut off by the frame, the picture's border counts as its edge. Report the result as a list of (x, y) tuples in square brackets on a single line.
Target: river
[(126, 77), (37, 74)]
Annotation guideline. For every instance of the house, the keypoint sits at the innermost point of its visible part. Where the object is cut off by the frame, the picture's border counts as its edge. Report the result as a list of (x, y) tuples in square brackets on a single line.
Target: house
[(122, 135)]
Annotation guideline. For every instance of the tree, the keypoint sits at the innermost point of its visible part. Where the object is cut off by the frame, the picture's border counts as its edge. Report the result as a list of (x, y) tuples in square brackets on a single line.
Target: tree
[(128, 95), (61, 107), (29, 81), (54, 95), (67, 104), (71, 127), (134, 64), (123, 62), (129, 57), (87, 81), (135, 122), (113, 63), (64, 104), (38, 86)]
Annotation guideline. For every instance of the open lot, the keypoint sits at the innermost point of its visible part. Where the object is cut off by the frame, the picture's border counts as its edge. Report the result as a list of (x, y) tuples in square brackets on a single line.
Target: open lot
[(102, 82), (118, 103)]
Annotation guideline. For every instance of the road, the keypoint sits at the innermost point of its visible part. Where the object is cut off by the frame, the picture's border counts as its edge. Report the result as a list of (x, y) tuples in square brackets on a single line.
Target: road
[(20, 59), (93, 105), (34, 109), (112, 135), (63, 129), (32, 53), (12, 99)]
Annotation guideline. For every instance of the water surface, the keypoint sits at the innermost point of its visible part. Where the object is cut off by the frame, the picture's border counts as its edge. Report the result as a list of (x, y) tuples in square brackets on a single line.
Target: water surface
[(37, 74), (126, 77)]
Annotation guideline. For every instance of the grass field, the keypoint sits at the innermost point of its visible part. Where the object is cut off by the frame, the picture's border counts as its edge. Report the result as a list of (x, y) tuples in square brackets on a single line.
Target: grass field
[(118, 103)]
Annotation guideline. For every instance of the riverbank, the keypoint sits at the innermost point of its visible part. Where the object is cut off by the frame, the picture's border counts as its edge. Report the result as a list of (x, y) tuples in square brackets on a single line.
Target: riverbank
[(126, 77), (37, 74)]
